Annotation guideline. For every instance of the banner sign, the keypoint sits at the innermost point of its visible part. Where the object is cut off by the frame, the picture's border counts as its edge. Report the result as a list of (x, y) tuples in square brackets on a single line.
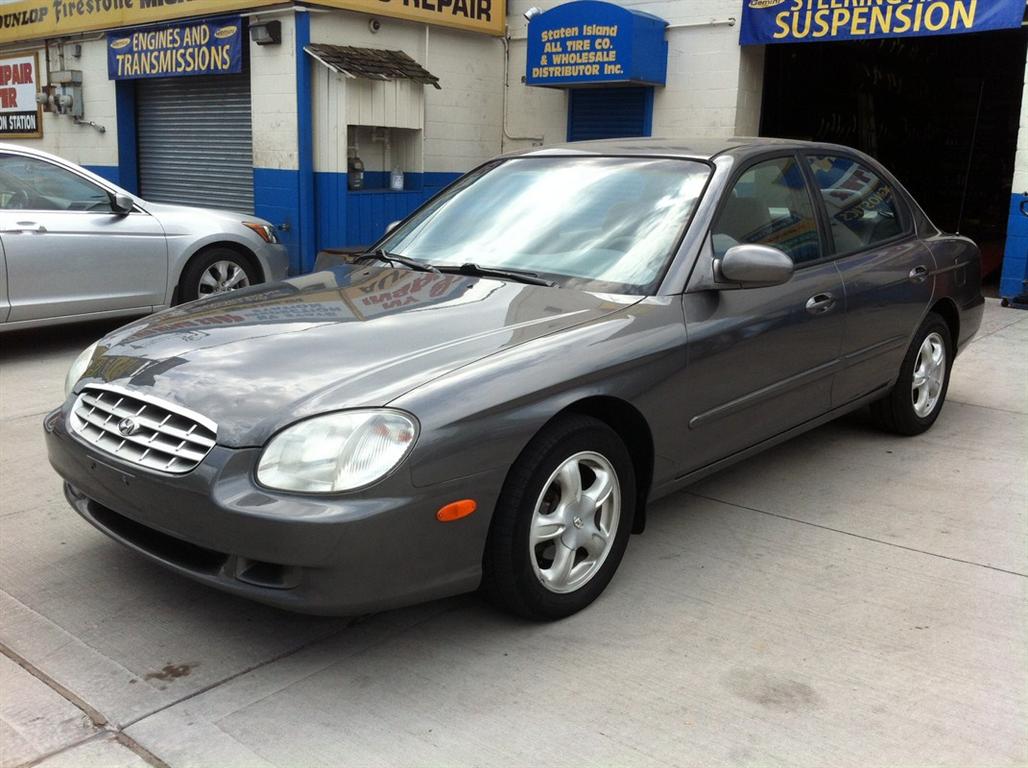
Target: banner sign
[(20, 116), (198, 48), (805, 21), (24, 20), (595, 42)]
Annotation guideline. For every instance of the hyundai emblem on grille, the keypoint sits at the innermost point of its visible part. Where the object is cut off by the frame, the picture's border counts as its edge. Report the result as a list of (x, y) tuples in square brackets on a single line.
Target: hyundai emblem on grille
[(142, 430)]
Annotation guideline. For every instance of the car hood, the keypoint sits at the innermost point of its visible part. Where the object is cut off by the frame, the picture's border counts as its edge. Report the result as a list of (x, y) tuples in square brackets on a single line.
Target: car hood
[(257, 359), (188, 215)]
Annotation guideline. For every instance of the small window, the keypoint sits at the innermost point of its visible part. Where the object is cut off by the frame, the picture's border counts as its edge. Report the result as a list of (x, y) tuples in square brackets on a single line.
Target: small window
[(861, 206), (27, 183), (769, 205)]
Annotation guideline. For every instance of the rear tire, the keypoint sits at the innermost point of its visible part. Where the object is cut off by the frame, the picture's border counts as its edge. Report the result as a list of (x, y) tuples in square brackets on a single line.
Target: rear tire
[(562, 522), (216, 270), (915, 401)]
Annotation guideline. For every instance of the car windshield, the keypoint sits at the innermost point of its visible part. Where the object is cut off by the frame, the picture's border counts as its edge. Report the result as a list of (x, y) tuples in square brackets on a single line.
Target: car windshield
[(597, 223)]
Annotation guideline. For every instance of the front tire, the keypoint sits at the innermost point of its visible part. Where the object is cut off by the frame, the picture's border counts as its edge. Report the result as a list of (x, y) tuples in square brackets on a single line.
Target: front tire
[(216, 270), (562, 522), (915, 401)]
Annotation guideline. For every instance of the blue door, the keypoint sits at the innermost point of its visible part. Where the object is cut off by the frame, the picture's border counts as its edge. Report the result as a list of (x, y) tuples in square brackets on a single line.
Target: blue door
[(609, 113)]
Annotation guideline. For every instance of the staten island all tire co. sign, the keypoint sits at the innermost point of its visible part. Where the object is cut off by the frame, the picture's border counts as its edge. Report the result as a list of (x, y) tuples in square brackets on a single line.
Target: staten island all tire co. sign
[(20, 116)]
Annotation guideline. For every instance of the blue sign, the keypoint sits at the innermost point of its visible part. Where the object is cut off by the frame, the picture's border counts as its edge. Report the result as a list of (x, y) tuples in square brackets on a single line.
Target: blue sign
[(592, 42), (807, 21), (196, 48)]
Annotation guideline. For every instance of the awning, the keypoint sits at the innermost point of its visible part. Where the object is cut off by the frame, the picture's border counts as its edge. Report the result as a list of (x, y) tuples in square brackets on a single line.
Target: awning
[(371, 63)]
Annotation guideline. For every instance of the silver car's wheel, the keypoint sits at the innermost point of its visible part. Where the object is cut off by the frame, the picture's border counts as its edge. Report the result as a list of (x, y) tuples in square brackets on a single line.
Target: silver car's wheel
[(929, 375), (221, 277), (575, 522)]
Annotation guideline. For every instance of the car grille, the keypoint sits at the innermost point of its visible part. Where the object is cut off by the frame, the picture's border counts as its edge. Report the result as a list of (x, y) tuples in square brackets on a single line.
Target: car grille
[(142, 430)]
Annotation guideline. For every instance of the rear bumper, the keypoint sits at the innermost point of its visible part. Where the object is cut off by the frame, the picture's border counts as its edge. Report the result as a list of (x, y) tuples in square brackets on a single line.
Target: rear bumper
[(970, 321), (341, 555)]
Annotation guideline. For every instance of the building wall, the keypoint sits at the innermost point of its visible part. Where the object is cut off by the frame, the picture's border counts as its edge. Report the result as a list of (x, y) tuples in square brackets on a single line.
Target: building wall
[(713, 85), (1014, 279), (81, 143)]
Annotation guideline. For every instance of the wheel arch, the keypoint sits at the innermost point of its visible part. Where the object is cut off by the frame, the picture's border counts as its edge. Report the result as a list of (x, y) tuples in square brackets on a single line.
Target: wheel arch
[(946, 308), (239, 248), (632, 427)]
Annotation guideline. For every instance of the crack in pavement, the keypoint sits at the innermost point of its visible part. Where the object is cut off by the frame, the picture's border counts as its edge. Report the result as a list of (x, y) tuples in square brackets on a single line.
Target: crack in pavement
[(855, 535)]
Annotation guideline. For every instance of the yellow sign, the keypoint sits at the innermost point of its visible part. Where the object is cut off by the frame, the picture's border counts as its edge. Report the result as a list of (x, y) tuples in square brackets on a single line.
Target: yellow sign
[(39, 19)]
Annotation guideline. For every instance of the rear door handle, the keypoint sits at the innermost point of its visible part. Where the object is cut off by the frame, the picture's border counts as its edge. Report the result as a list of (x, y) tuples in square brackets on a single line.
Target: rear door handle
[(919, 273), (24, 226), (821, 303)]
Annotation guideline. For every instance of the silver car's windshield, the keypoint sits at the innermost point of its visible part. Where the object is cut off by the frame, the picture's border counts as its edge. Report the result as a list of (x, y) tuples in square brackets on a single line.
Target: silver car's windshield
[(597, 223)]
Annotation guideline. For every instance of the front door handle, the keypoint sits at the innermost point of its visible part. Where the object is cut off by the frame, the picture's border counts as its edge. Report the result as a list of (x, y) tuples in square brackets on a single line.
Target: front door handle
[(919, 273), (821, 303), (24, 226)]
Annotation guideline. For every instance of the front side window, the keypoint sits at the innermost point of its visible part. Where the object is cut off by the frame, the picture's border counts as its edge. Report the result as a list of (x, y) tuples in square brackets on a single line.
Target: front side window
[(596, 223), (861, 206), (769, 205), (28, 183)]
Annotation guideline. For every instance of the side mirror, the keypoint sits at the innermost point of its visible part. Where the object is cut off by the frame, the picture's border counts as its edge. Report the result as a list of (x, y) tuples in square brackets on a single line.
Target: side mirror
[(121, 203), (753, 266), (391, 226)]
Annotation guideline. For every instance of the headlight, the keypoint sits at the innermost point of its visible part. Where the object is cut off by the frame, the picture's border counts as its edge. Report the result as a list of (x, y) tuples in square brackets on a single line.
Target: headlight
[(338, 452), (265, 231), (78, 368)]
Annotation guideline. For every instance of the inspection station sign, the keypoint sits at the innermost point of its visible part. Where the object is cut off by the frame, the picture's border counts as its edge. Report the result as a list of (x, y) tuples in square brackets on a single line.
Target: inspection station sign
[(591, 42), (198, 48), (801, 21), (20, 116), (25, 20)]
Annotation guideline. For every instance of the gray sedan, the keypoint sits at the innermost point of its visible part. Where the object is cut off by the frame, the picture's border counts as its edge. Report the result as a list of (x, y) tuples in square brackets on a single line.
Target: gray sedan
[(492, 395), (76, 247)]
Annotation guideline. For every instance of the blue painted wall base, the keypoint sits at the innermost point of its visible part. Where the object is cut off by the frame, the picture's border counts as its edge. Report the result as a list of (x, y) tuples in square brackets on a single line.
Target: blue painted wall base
[(1014, 280)]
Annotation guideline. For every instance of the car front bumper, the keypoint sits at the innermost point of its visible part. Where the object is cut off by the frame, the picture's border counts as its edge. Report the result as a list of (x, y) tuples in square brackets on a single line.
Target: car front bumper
[(340, 555), (275, 261)]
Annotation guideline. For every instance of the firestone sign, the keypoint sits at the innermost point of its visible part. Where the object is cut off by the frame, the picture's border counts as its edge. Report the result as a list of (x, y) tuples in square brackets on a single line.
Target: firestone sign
[(20, 116)]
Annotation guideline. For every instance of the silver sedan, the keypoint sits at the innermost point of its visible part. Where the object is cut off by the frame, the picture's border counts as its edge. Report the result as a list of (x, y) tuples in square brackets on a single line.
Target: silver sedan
[(73, 246)]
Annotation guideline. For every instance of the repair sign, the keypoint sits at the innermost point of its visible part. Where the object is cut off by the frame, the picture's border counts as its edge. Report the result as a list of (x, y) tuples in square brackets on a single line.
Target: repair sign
[(21, 117)]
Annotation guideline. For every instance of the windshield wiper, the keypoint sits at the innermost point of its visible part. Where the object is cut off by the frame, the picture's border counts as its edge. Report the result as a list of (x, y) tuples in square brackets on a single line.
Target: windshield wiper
[(474, 270), (394, 258)]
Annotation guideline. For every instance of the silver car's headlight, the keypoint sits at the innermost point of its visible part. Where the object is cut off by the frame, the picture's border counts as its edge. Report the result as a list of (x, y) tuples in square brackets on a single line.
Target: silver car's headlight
[(337, 452), (79, 367)]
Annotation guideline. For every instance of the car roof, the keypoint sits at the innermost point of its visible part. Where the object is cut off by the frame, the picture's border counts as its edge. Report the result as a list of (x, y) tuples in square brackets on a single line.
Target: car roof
[(699, 148)]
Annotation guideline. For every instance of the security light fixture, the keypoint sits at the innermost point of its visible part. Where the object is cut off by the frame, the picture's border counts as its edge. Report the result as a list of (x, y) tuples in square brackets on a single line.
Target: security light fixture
[(532, 12), (266, 33)]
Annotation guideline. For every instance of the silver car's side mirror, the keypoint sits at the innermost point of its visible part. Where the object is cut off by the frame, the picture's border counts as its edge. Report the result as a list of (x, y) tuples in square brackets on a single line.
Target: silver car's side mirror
[(753, 266), (121, 203), (391, 226)]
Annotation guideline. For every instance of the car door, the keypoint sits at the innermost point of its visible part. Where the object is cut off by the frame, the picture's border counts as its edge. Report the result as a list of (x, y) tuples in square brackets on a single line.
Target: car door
[(888, 274), (761, 360), (67, 251)]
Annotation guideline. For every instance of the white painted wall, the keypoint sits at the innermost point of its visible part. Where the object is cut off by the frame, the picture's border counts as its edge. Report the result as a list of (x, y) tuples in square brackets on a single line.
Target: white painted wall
[(462, 120), (713, 85), (80, 143), (1021, 161), (273, 98)]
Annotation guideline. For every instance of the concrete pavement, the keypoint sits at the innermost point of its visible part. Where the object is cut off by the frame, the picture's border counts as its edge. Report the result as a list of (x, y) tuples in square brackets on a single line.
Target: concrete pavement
[(848, 598)]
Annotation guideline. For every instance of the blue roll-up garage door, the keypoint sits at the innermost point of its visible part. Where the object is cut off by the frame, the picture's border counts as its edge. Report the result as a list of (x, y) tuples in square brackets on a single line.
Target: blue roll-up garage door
[(609, 113)]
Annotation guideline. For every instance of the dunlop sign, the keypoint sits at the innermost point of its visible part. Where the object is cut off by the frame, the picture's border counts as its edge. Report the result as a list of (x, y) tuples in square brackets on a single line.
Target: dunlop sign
[(24, 20), (801, 21), (197, 48), (20, 116)]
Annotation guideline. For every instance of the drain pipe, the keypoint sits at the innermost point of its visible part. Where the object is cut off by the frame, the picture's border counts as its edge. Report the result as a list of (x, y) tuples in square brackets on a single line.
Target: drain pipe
[(536, 140)]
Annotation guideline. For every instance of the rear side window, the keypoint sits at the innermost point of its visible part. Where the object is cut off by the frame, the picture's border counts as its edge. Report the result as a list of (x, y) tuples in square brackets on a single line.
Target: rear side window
[(769, 205), (862, 207)]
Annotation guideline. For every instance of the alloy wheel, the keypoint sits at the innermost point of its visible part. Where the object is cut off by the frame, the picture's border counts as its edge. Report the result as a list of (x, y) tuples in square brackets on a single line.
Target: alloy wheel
[(221, 277), (575, 522), (929, 375)]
